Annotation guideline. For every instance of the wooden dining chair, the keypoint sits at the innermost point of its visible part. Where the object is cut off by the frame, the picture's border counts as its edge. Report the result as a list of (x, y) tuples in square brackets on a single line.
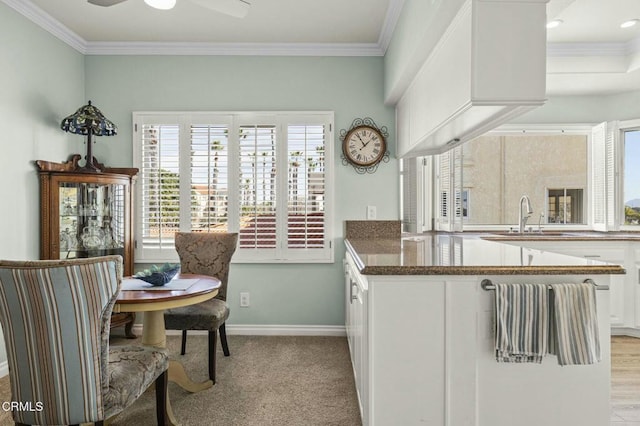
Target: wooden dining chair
[(55, 315), (204, 254)]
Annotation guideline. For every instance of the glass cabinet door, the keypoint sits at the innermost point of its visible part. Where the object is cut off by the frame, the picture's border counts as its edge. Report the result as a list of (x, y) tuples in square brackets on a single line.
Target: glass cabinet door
[(92, 219)]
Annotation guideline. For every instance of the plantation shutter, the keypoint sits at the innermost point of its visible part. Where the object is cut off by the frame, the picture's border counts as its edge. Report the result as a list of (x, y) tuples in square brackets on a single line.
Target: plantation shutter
[(209, 192), (444, 188), (409, 184), (263, 175), (159, 189), (306, 186), (456, 188), (416, 194), (610, 144), (450, 190), (602, 172), (257, 183)]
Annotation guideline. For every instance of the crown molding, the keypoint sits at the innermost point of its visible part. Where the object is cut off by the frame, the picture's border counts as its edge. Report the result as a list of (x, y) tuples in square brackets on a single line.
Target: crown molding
[(41, 18), (592, 49), (47, 23), (389, 24), (234, 49)]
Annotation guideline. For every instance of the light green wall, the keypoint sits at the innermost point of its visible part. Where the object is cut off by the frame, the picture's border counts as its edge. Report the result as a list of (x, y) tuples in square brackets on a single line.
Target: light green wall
[(41, 81), (289, 294)]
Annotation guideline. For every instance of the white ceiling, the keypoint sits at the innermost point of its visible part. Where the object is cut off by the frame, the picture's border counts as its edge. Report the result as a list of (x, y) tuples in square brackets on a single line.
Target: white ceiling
[(268, 21), (588, 54)]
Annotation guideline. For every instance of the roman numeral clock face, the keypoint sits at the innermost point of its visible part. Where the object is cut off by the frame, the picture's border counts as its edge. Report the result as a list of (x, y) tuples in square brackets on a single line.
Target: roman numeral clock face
[(364, 146)]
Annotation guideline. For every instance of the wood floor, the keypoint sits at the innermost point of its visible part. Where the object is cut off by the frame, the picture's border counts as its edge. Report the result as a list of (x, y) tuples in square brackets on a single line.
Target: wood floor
[(625, 381)]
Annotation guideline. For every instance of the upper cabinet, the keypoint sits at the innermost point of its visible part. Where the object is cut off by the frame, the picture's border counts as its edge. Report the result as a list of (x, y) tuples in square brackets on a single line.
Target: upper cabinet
[(488, 67)]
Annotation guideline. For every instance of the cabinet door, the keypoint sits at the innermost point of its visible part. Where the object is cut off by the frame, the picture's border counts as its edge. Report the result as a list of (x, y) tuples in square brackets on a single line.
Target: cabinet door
[(357, 332), (86, 215), (621, 287), (92, 219)]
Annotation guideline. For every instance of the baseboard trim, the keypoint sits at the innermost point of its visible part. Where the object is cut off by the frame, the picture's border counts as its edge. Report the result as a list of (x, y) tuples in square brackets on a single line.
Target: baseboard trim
[(4, 368), (286, 330), (625, 331), (268, 330)]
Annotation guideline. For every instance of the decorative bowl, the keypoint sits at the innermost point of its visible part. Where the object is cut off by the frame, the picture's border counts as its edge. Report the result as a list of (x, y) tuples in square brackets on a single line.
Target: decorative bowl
[(159, 276)]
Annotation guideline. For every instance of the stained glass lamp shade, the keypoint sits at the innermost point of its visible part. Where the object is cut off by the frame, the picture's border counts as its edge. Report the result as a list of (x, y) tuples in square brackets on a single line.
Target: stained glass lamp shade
[(89, 121)]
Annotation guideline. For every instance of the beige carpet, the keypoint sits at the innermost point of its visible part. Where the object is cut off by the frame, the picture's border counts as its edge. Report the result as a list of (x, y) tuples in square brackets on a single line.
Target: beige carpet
[(270, 380), (267, 380)]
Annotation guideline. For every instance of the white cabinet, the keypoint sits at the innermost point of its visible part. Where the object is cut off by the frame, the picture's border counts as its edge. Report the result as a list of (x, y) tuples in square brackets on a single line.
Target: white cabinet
[(477, 77), (422, 353), (356, 326), (622, 296)]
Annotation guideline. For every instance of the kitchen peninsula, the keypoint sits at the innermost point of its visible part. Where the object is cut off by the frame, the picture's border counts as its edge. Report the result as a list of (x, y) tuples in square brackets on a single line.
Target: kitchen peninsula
[(420, 330)]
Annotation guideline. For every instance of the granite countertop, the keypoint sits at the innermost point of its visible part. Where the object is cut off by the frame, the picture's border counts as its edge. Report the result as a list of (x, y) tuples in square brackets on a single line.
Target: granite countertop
[(457, 254), (560, 236)]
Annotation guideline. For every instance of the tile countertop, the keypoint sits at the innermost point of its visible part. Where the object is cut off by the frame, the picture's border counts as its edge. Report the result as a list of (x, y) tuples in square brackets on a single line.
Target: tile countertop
[(438, 254)]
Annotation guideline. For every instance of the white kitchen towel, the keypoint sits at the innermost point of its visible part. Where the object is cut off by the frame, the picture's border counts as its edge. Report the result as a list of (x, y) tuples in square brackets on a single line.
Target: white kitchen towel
[(522, 322), (574, 331)]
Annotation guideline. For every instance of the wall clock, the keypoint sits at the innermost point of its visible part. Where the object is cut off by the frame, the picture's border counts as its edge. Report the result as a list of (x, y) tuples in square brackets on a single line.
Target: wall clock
[(364, 145)]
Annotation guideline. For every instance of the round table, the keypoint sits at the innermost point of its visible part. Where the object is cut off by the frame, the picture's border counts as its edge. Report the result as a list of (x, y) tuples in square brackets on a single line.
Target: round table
[(153, 303)]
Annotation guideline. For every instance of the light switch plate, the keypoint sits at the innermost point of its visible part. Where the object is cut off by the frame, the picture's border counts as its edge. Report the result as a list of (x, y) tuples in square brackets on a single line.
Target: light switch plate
[(244, 300)]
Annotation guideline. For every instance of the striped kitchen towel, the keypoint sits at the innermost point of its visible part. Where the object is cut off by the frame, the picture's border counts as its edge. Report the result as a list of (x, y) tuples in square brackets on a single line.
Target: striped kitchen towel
[(574, 329), (522, 322)]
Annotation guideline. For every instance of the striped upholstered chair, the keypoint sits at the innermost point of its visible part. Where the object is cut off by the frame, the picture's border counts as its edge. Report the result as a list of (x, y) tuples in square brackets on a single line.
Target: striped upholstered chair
[(55, 317), (204, 254)]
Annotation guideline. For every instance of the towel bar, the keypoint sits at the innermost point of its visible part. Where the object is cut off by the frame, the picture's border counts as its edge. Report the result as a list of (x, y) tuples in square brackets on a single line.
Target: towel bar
[(486, 284)]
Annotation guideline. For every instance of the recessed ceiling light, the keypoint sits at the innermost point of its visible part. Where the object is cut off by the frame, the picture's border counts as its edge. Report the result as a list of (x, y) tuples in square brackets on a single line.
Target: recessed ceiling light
[(161, 4), (555, 23), (630, 23)]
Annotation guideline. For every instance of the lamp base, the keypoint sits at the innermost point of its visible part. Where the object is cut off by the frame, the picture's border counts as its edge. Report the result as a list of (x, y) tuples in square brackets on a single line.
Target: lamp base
[(72, 165), (91, 166)]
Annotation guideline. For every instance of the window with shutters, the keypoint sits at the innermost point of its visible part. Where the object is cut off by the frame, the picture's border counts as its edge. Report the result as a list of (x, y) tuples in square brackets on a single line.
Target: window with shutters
[(576, 176), (263, 175)]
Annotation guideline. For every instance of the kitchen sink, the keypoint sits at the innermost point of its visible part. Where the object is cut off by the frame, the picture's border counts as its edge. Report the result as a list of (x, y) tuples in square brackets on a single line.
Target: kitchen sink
[(527, 235)]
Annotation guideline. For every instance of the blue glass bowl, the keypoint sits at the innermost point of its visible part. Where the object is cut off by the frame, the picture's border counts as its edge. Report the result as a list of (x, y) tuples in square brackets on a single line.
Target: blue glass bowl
[(159, 278)]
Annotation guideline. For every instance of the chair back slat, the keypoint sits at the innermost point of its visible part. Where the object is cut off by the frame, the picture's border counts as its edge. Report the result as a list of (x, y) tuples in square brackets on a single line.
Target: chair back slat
[(55, 316)]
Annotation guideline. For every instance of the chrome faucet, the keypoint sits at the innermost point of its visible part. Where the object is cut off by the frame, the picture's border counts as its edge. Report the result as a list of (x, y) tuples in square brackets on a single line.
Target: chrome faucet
[(523, 217), (540, 223)]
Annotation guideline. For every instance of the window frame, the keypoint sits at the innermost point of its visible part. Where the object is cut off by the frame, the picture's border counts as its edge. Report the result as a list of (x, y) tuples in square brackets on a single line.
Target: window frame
[(565, 190), (622, 127), (534, 129), (282, 120)]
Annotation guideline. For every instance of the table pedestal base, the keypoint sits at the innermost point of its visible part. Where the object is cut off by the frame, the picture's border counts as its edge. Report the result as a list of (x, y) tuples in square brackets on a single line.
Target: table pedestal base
[(154, 334)]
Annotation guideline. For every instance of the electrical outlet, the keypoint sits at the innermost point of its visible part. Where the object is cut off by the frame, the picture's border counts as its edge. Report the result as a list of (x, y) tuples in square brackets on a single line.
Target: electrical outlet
[(371, 212), (244, 300)]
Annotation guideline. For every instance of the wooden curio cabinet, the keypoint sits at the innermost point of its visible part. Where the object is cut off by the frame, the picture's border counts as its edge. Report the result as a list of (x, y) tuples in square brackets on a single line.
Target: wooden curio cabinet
[(87, 214)]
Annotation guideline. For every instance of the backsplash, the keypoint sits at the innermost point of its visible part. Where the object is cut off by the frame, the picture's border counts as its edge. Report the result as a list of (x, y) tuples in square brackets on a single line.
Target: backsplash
[(365, 229)]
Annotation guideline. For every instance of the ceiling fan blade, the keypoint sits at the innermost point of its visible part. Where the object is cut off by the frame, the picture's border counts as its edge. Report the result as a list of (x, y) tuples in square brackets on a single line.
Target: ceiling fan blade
[(105, 3), (235, 8)]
